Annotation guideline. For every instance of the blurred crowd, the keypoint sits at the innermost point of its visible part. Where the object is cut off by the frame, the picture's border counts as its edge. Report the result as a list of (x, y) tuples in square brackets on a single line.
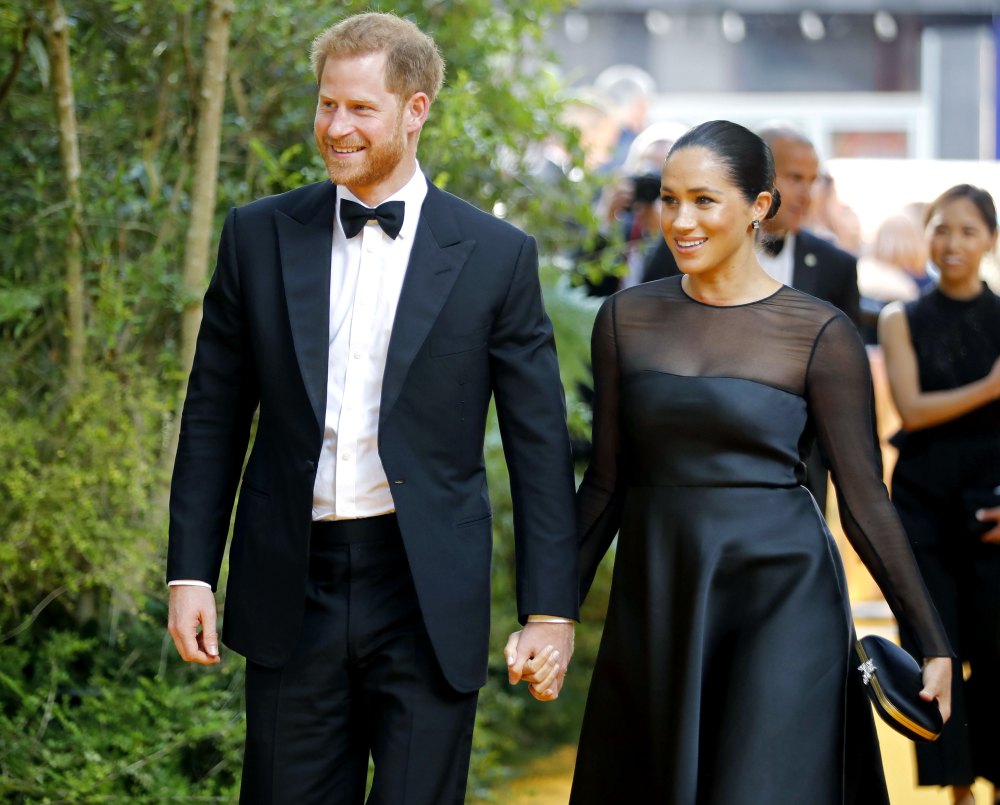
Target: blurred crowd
[(626, 150)]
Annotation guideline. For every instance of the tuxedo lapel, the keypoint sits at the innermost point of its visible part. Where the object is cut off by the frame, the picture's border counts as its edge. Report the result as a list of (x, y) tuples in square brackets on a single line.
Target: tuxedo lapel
[(436, 259), (305, 234)]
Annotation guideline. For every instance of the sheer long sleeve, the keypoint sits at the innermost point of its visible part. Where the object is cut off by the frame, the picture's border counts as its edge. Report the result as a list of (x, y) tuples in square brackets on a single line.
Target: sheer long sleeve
[(839, 395), (599, 498)]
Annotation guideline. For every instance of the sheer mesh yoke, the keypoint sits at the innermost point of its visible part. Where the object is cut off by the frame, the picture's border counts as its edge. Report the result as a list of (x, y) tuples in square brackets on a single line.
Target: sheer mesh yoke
[(673, 407)]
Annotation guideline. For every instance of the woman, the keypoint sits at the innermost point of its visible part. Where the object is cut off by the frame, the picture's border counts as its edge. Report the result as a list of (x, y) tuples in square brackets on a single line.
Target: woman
[(724, 673), (942, 355)]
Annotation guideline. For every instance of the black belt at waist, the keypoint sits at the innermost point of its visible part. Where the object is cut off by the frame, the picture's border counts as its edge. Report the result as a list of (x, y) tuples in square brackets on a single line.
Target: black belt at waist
[(383, 528)]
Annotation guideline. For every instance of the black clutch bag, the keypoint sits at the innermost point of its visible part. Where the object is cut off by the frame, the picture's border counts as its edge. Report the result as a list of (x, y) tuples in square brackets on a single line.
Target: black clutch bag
[(893, 681)]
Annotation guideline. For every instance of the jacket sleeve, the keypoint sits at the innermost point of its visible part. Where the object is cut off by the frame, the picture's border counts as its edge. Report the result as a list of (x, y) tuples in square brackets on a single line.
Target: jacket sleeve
[(222, 395), (531, 412), (850, 296)]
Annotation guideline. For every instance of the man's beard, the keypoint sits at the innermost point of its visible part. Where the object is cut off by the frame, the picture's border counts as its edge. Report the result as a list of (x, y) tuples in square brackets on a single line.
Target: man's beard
[(378, 161)]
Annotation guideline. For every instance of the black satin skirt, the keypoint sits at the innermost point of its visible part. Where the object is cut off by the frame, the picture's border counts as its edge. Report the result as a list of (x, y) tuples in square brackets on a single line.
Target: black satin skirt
[(724, 675)]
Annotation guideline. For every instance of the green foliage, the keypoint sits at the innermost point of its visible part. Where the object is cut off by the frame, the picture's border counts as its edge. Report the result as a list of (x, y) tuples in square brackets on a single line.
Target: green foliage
[(572, 313), (77, 486), (88, 720)]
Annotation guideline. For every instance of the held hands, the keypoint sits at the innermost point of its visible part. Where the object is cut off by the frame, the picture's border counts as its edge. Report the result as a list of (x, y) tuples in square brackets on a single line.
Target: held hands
[(540, 654), (987, 516), (937, 684), (192, 606)]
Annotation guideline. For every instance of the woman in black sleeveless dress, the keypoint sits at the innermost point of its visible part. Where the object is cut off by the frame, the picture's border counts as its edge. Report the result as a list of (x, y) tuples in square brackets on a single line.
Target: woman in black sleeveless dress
[(942, 354), (724, 675)]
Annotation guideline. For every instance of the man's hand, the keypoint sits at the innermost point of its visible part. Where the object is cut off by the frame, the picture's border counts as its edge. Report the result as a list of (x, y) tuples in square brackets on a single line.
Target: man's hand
[(990, 515), (541, 651), (192, 606)]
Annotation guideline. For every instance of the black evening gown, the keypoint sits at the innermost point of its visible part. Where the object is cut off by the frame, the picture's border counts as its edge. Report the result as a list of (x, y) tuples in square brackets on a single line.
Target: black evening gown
[(724, 675), (943, 474)]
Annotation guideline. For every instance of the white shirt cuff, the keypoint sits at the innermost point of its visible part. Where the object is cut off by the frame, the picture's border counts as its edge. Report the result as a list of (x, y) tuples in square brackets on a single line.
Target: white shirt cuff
[(188, 583)]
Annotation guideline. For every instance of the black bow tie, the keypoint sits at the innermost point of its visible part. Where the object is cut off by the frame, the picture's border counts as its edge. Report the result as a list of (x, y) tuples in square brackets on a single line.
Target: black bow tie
[(773, 246), (354, 216)]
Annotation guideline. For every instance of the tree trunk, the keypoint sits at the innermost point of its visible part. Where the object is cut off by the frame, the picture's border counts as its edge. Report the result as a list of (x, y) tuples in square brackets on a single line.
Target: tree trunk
[(201, 219), (69, 152), (18, 60)]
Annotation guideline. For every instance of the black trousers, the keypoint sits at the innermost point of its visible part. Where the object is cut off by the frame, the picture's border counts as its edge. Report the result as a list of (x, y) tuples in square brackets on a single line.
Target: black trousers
[(362, 681)]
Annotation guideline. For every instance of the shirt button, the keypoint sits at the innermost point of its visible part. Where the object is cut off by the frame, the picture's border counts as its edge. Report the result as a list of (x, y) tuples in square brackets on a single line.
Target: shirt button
[(346, 456), (357, 356)]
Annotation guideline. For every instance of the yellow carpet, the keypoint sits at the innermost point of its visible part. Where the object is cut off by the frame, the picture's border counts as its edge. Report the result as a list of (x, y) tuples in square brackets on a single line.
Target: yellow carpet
[(547, 781)]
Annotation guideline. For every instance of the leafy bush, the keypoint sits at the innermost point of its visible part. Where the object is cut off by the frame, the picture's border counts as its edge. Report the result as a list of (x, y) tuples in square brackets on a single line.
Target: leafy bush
[(88, 718), (78, 486)]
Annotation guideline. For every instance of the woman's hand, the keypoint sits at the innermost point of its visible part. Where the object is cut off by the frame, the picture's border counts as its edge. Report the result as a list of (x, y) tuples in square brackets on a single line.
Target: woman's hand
[(937, 684), (541, 672)]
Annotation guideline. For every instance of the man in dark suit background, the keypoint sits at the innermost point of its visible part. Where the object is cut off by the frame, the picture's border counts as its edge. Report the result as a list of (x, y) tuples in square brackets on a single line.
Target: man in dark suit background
[(798, 258), (792, 254), (369, 319)]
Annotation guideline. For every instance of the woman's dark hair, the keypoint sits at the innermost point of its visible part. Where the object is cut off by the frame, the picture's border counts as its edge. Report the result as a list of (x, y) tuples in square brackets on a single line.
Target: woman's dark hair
[(748, 160), (981, 200)]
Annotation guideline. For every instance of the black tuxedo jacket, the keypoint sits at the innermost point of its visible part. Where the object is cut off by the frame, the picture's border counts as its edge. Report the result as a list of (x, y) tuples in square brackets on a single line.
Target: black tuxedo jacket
[(470, 323)]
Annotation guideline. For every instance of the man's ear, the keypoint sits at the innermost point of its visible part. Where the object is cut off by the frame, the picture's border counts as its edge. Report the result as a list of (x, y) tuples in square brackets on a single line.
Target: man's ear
[(415, 112)]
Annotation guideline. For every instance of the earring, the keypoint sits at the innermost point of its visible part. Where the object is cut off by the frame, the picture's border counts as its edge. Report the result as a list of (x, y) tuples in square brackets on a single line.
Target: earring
[(755, 224)]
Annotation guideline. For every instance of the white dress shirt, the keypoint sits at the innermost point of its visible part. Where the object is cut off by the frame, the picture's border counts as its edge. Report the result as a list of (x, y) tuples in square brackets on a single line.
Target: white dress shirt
[(782, 265), (366, 277)]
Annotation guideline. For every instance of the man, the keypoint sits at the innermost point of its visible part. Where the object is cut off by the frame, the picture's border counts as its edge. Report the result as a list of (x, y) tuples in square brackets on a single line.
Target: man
[(369, 319)]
